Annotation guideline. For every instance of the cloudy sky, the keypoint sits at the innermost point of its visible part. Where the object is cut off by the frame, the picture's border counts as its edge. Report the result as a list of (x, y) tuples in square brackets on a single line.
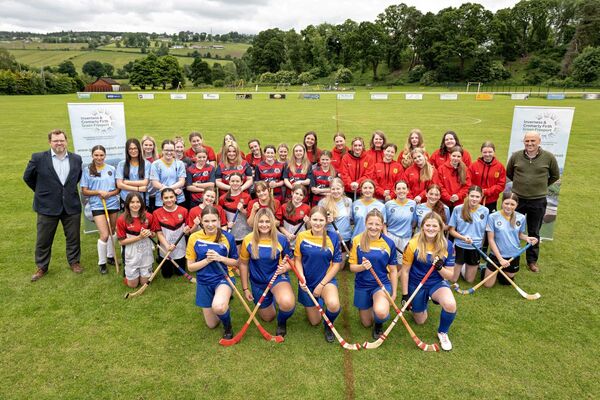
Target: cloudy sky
[(220, 16)]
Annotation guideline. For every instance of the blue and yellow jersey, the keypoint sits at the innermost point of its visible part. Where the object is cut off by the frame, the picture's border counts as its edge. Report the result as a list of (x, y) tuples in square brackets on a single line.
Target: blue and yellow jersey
[(199, 244), (106, 181), (399, 217), (262, 268), (505, 235), (475, 230), (317, 260), (382, 253), (419, 268), (360, 209)]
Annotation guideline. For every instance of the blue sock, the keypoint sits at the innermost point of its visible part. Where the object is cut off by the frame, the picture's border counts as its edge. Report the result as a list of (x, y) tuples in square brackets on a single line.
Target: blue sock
[(282, 316), (380, 320), (225, 318), (446, 319), (332, 315)]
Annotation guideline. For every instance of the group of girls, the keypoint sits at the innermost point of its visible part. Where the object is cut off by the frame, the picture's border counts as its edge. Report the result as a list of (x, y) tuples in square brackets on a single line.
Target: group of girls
[(255, 212)]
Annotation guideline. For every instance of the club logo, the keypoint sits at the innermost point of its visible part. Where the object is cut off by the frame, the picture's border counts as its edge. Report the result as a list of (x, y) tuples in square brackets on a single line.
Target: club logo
[(179, 216), (109, 173), (481, 216), (412, 209), (499, 223), (518, 223)]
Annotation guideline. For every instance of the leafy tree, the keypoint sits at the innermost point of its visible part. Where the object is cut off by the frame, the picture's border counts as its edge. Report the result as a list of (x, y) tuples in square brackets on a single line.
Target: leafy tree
[(586, 67), (343, 75), (370, 39), (170, 72), (109, 69), (146, 72), (7, 60), (200, 72), (286, 77), (93, 68), (217, 72), (305, 77), (267, 52), (401, 24), (68, 68)]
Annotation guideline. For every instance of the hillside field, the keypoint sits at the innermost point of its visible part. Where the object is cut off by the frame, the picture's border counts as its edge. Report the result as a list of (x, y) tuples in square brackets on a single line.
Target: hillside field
[(74, 336)]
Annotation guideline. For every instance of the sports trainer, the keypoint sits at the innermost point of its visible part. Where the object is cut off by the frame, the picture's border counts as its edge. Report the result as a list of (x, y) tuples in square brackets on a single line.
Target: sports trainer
[(53, 176), (532, 170)]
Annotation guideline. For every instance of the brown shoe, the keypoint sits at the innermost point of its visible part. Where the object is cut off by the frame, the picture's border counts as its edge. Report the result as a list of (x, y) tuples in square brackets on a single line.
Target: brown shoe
[(76, 267), (38, 275), (533, 267)]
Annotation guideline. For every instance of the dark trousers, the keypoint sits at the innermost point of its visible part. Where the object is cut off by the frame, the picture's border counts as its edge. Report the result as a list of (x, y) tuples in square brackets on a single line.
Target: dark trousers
[(492, 208), (46, 228), (168, 269), (534, 210)]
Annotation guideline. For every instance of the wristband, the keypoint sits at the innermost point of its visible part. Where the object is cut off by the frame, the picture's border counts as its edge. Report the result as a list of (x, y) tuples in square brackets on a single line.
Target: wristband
[(321, 283), (244, 289)]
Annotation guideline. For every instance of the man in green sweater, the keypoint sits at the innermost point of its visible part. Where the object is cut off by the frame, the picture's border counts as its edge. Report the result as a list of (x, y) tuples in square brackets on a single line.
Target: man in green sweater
[(532, 170)]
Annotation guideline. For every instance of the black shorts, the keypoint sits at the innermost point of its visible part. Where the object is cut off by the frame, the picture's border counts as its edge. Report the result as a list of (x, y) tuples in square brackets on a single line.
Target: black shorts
[(95, 213), (514, 265), (466, 256)]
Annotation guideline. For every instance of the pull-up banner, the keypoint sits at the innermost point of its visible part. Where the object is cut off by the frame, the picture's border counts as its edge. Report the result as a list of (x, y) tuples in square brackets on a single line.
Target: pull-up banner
[(554, 126)]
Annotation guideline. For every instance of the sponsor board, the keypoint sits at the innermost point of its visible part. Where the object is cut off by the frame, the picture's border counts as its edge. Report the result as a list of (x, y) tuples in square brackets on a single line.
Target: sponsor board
[(277, 96), (413, 96), (84, 95), (519, 96), (449, 96), (591, 96), (178, 96), (146, 96), (311, 96), (345, 96), (484, 96), (555, 96), (211, 96), (379, 96), (243, 96), (114, 96)]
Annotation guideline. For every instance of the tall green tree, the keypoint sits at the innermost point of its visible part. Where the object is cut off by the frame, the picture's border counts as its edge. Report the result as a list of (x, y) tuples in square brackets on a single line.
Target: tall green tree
[(370, 40), (200, 72), (267, 52), (170, 72), (401, 24), (93, 68), (68, 68)]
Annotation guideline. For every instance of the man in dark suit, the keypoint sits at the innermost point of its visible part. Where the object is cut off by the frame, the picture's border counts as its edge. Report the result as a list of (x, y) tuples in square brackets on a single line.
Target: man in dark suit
[(53, 175)]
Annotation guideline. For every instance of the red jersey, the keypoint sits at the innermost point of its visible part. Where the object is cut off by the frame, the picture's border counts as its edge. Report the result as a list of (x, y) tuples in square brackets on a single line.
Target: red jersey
[(291, 223), (356, 169), (169, 220), (376, 155), (230, 203), (134, 228), (219, 156), (197, 211), (295, 174), (490, 177), (320, 179), (271, 173), (450, 184), (416, 188), (209, 152), (276, 204), (336, 157), (223, 171), (201, 175), (437, 159), (253, 160), (313, 155), (386, 175)]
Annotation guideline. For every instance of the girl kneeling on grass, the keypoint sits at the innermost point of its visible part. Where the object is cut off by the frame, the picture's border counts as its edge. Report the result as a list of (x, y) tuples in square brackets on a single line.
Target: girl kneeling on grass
[(318, 258), (467, 225), (418, 257), (262, 255), (98, 183), (207, 247), (505, 229), (372, 249), (134, 233)]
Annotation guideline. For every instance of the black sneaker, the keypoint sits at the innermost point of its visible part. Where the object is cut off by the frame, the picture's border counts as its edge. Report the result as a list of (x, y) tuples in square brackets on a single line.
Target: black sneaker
[(227, 332), (329, 337), (377, 330), (110, 260), (281, 329), (103, 269)]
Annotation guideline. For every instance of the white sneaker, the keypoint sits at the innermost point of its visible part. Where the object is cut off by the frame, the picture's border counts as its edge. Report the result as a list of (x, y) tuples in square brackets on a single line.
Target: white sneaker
[(444, 341)]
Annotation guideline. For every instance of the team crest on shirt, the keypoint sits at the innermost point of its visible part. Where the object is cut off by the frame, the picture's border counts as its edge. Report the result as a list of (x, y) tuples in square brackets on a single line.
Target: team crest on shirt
[(301, 213), (518, 223), (365, 164), (392, 211), (205, 173), (412, 209), (277, 170), (395, 170), (499, 223), (355, 208), (179, 216), (481, 216), (109, 173), (497, 174)]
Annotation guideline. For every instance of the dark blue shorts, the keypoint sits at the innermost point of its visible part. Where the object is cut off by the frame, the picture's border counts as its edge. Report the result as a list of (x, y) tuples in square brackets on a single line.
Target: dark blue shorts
[(419, 303), (304, 298), (258, 289), (206, 293), (363, 298)]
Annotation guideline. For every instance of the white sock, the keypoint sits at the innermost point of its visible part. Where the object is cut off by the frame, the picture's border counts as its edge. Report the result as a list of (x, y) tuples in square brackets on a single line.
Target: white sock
[(462, 270), (110, 249), (101, 252)]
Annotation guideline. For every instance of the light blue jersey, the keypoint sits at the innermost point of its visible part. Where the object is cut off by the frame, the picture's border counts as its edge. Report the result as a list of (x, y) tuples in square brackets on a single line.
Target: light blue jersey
[(167, 174), (505, 235), (475, 230), (400, 217), (106, 181), (422, 210), (342, 221), (133, 176), (360, 211)]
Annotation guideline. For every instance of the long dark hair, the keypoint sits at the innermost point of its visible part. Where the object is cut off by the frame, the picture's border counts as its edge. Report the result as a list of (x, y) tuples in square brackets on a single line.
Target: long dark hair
[(443, 149), (228, 196), (127, 211), (92, 166), (314, 148), (140, 159), (465, 213)]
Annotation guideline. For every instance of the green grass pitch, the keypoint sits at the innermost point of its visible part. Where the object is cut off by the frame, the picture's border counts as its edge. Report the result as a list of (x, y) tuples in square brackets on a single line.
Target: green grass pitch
[(74, 336)]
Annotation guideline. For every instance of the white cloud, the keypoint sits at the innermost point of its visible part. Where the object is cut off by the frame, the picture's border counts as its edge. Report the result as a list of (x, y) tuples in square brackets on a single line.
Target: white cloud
[(220, 16)]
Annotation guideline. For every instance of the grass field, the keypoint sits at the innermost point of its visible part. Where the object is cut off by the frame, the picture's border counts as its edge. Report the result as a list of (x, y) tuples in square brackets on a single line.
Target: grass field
[(74, 336)]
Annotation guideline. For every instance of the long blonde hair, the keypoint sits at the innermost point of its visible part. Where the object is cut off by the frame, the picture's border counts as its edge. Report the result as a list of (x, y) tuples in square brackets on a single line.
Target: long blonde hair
[(330, 204), (427, 171), (323, 212), (365, 241), (408, 147), (225, 149), (256, 234), (440, 244), (262, 185), (151, 139), (306, 164)]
